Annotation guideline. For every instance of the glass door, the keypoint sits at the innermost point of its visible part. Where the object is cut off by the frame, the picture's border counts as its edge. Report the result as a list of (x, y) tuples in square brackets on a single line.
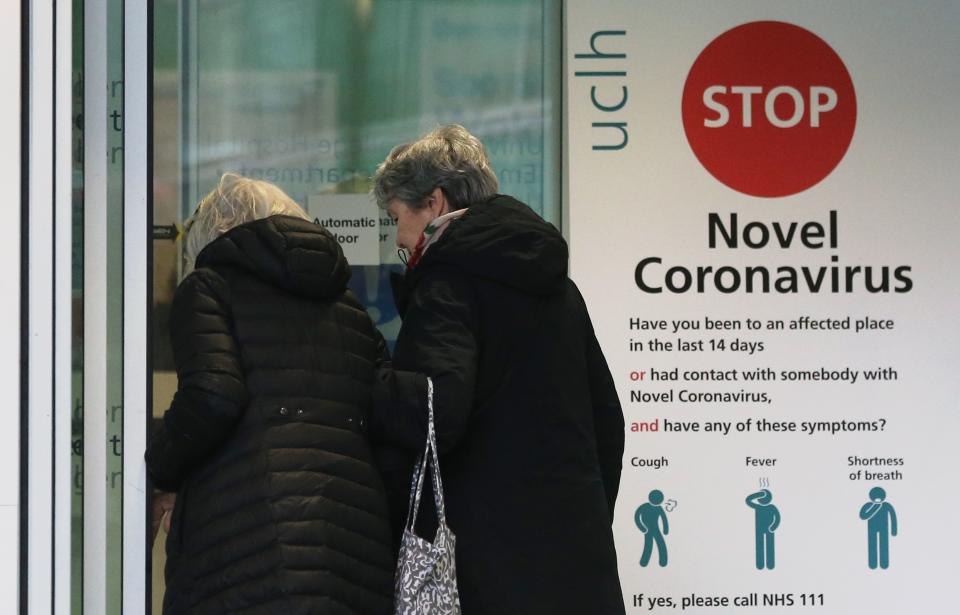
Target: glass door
[(311, 95)]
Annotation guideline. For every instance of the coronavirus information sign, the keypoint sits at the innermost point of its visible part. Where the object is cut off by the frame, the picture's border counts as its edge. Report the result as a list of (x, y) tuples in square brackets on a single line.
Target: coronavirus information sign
[(762, 216)]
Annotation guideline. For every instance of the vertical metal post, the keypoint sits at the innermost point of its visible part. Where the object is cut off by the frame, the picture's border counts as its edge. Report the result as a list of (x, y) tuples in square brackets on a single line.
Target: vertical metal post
[(189, 106), (63, 302)]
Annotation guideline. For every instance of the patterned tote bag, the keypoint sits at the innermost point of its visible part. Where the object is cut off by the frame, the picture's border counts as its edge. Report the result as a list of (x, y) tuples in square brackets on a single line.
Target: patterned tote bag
[(426, 582)]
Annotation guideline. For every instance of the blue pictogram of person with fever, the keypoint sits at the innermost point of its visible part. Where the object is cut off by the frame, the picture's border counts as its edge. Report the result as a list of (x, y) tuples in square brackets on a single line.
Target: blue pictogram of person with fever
[(767, 521), (881, 521), (652, 521)]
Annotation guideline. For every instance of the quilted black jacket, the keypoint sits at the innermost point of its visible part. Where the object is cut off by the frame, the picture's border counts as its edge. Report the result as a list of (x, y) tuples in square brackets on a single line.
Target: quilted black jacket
[(530, 429), (279, 506)]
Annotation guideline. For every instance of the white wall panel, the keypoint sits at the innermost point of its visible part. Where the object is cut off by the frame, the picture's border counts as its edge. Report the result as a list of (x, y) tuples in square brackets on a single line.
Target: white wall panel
[(41, 306), (10, 310)]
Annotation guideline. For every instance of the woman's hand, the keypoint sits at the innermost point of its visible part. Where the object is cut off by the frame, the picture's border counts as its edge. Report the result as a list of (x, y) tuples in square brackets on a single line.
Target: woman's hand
[(163, 503)]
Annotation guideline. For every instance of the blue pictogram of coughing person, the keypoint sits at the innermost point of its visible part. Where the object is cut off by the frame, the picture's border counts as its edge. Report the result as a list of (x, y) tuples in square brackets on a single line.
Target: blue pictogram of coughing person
[(881, 521), (767, 521), (652, 521)]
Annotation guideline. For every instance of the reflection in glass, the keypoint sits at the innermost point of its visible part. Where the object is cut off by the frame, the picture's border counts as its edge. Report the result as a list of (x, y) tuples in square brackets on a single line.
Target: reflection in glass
[(115, 349)]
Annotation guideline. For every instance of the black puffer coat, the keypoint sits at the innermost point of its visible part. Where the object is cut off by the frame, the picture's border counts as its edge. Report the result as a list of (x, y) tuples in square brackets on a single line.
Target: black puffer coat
[(530, 429), (279, 506)]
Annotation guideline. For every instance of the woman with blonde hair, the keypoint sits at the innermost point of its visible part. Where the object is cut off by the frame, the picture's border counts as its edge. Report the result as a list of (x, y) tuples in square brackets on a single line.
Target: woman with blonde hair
[(279, 507)]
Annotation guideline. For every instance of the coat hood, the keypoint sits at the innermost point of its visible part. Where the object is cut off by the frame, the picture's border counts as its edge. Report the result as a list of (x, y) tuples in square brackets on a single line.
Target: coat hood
[(504, 240), (296, 255)]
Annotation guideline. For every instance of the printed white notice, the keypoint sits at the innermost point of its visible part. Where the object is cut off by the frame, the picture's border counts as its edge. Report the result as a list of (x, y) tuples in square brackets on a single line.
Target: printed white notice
[(763, 217), (354, 220)]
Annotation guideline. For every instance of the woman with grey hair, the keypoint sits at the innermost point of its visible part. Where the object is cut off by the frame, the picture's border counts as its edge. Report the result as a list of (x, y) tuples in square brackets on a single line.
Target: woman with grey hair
[(528, 422), (279, 506)]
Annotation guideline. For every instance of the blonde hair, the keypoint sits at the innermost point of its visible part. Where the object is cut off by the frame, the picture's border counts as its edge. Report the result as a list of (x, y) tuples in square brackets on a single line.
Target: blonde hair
[(236, 200)]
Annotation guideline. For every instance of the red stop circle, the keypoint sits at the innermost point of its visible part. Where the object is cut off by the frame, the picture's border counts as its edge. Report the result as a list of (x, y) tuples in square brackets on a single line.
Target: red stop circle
[(769, 108)]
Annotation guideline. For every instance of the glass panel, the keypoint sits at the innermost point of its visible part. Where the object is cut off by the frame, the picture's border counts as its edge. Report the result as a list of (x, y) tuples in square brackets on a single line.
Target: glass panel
[(115, 348), (312, 95), (166, 208), (90, 205)]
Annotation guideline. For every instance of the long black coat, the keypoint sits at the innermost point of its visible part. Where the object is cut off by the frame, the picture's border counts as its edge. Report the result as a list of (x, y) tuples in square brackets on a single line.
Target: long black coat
[(279, 506), (530, 428)]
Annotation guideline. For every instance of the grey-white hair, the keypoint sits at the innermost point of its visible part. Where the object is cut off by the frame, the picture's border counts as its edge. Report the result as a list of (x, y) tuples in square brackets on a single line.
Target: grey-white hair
[(236, 200), (449, 158)]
